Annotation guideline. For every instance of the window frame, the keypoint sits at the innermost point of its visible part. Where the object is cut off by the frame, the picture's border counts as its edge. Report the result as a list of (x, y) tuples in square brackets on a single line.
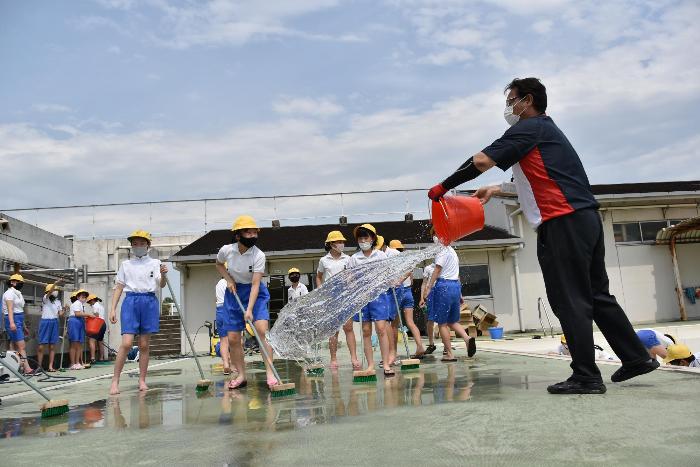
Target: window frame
[(488, 275)]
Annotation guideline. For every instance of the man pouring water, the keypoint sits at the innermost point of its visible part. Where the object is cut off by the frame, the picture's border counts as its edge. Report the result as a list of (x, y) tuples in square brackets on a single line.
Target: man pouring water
[(557, 200)]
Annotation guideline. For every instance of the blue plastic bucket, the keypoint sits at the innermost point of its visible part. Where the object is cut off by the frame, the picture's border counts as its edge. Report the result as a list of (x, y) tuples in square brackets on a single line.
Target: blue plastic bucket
[(496, 333)]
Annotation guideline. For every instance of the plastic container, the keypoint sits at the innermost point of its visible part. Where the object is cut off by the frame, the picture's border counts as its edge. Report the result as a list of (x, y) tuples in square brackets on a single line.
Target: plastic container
[(496, 333), (93, 325), (455, 217)]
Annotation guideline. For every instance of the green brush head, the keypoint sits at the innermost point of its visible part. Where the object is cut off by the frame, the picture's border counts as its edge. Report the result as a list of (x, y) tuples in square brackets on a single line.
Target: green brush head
[(283, 393), (364, 379), (410, 367), (314, 371), (54, 411)]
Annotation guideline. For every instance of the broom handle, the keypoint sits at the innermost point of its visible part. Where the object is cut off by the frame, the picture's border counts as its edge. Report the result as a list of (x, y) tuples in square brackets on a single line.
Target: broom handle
[(184, 327), (403, 331), (63, 341), (24, 380), (260, 342)]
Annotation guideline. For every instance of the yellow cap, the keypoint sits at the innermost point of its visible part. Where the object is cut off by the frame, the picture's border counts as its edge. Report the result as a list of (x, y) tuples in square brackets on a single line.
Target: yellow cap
[(244, 222), (49, 288), (92, 297), (335, 236), (396, 244), (82, 291), (293, 270), (17, 277), (563, 339), (140, 234), (380, 242), (74, 294), (369, 227), (677, 352)]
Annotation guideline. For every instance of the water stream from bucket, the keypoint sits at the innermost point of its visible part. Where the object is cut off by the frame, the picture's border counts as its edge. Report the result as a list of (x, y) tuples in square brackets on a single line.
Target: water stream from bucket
[(313, 318)]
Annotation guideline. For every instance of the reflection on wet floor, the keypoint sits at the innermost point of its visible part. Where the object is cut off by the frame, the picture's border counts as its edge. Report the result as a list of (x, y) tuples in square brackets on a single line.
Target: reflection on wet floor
[(320, 400)]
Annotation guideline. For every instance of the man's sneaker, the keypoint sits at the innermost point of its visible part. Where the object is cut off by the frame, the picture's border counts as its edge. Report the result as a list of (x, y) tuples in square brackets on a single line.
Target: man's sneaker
[(576, 387), (627, 372)]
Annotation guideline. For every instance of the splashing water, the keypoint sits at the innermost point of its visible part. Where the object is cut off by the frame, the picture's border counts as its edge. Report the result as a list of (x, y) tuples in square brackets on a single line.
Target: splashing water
[(313, 318)]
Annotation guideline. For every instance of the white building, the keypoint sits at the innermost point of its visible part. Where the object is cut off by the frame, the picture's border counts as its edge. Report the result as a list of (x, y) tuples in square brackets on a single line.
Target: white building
[(498, 265)]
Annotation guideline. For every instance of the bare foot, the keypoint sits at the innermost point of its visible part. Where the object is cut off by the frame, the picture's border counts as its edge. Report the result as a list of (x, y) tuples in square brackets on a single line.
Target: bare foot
[(334, 365), (143, 386), (114, 389)]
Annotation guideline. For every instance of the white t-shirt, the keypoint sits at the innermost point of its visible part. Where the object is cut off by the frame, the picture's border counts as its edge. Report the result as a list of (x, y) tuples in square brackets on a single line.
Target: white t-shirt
[(220, 291), (447, 258), (695, 363), (16, 297), (76, 306), (99, 309), (360, 258), (390, 252), (140, 275), (49, 309), (294, 293), (242, 266), (428, 271), (329, 266)]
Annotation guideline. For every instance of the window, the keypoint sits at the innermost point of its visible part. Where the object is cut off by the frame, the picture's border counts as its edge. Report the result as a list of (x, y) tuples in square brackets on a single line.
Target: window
[(475, 280), (640, 232)]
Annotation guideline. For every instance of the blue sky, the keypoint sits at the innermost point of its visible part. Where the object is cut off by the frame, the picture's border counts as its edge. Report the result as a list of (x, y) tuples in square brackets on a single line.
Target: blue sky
[(120, 100)]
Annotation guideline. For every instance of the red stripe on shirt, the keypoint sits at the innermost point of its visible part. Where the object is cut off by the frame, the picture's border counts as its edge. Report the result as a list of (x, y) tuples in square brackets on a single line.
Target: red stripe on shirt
[(550, 199)]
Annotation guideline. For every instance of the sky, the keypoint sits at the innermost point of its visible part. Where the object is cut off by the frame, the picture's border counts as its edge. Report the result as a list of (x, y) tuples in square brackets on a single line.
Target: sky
[(105, 101)]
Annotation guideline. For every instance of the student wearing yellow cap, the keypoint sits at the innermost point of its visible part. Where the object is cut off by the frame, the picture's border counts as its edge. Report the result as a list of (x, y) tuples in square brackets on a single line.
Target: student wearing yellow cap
[(297, 289), (98, 311), (246, 266), (48, 326), (376, 311), (393, 329), (404, 294), (334, 262), (680, 355), (13, 314), (76, 329), (140, 277)]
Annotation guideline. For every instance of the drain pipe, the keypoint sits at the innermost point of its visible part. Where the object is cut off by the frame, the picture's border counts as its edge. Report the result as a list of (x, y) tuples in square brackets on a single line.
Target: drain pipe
[(516, 269)]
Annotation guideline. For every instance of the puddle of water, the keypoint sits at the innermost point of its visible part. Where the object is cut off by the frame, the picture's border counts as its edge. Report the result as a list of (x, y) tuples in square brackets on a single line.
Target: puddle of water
[(320, 400)]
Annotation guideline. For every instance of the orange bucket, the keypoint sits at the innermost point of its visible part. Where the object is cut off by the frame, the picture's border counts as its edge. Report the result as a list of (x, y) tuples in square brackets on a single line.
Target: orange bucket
[(93, 325), (455, 217)]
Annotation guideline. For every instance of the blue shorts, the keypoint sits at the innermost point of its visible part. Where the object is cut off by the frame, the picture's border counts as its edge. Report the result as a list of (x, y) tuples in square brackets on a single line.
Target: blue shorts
[(377, 310), (430, 307), (648, 338), (446, 298), (406, 298), (76, 329), (392, 303), (220, 320), (233, 316), (48, 331), (140, 313), (18, 335)]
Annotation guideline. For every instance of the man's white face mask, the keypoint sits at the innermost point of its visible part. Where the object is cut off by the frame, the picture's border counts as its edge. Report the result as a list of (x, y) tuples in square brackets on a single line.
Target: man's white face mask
[(508, 114)]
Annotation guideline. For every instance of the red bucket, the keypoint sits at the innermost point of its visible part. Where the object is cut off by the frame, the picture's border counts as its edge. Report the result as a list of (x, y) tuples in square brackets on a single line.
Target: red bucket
[(93, 325), (455, 217)]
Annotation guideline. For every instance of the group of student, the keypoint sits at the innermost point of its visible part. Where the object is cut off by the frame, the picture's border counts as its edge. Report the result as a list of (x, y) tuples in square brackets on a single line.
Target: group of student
[(241, 266), (13, 305)]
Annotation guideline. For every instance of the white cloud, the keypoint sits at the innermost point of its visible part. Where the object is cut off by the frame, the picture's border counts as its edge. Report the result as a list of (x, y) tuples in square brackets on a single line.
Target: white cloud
[(51, 108), (117, 4), (447, 57), (114, 49), (542, 27), (322, 107)]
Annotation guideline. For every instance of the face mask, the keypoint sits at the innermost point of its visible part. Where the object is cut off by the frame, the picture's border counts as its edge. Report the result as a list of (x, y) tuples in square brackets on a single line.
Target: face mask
[(139, 251), (338, 247), (508, 114), (294, 278), (54, 294), (248, 242), (365, 246), (19, 286)]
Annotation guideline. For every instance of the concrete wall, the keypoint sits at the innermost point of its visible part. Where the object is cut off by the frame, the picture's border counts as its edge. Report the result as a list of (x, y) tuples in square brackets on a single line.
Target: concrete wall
[(44, 249)]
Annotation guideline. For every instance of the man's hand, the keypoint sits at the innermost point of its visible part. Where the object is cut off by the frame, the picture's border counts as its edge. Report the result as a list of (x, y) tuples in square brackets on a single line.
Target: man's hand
[(486, 192), (437, 192)]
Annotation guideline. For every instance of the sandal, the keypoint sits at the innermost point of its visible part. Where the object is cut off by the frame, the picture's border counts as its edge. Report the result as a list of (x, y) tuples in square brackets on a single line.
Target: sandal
[(448, 360), (389, 373), (237, 384), (227, 371), (419, 356), (430, 349)]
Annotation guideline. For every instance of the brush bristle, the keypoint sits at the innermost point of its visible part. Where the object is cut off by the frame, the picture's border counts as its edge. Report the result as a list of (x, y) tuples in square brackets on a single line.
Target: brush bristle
[(203, 385), (410, 367), (314, 371), (364, 379), (282, 390), (54, 408)]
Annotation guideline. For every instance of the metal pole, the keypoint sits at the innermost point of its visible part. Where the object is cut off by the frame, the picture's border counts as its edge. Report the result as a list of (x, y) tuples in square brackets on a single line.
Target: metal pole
[(184, 327), (677, 276), (23, 379)]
